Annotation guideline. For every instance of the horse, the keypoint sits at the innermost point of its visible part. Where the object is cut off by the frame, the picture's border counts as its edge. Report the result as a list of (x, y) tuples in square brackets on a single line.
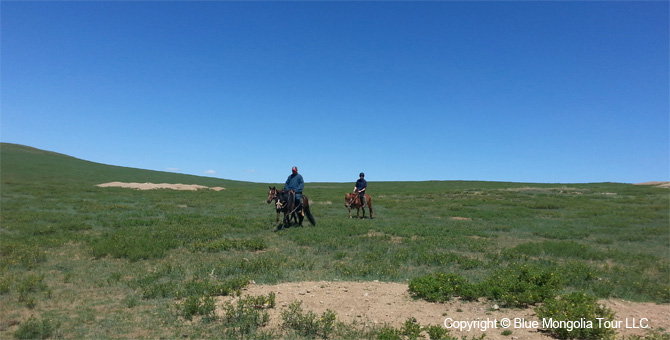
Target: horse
[(285, 202), (352, 200)]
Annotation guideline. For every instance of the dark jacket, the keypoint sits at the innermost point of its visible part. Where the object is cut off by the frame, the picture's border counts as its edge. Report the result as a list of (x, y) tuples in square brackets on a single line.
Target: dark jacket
[(294, 182)]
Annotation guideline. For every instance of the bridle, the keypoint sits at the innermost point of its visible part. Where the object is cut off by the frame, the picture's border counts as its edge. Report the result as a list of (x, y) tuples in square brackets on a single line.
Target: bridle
[(354, 197), (272, 196)]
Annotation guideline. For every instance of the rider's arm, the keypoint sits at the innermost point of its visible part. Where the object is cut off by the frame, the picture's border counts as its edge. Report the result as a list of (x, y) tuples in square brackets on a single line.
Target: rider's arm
[(301, 184)]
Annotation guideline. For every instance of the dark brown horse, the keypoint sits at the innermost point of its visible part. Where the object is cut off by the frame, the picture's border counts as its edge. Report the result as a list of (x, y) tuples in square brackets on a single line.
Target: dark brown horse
[(285, 202), (352, 200)]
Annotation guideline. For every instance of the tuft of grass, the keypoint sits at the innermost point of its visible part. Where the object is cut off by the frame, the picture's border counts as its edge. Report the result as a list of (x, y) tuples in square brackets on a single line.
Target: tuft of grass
[(255, 244)]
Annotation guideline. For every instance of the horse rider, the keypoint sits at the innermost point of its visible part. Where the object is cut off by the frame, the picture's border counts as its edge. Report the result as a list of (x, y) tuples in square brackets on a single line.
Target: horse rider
[(359, 188), (296, 183)]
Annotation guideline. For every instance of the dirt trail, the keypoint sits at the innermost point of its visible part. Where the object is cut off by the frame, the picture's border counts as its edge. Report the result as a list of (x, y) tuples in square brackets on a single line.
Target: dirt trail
[(379, 303), (152, 186)]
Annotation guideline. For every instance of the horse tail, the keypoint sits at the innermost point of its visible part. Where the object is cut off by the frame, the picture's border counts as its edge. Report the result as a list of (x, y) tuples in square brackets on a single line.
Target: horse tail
[(307, 212)]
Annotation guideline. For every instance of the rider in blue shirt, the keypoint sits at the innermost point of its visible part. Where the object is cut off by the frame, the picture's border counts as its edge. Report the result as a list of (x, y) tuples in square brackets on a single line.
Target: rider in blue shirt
[(296, 183)]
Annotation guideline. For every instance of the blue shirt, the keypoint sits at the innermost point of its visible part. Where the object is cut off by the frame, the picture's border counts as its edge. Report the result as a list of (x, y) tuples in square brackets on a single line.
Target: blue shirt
[(361, 184)]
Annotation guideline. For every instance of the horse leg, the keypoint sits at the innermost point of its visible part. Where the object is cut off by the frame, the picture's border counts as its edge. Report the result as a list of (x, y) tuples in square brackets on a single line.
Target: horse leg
[(372, 213), (287, 219), (349, 211)]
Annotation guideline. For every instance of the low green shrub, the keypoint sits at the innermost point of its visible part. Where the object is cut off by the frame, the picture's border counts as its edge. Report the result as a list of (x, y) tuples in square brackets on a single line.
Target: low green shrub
[(512, 286), (368, 270), (575, 316), (6, 283), (197, 305), (160, 290), (170, 283), (308, 324), (16, 253), (440, 287), (522, 285), (436, 332), (650, 336), (388, 333), (248, 314), (411, 329), (30, 287), (36, 329)]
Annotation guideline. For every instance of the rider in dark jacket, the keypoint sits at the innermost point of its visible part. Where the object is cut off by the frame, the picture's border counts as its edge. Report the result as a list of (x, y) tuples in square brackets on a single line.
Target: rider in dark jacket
[(296, 183), (361, 185)]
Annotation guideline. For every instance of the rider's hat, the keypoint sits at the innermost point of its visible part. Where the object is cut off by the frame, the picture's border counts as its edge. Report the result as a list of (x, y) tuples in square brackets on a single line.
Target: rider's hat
[(295, 168), (362, 174)]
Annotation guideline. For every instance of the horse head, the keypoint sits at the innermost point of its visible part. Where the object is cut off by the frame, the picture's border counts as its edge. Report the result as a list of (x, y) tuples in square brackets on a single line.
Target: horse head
[(272, 194)]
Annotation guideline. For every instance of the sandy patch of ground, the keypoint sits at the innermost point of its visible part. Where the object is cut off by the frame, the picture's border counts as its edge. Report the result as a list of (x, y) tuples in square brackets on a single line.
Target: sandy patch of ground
[(458, 218), (656, 184), (152, 186), (379, 303)]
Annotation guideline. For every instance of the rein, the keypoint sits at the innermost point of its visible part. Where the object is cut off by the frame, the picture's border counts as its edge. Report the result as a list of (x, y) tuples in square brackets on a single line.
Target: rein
[(280, 205), (356, 196)]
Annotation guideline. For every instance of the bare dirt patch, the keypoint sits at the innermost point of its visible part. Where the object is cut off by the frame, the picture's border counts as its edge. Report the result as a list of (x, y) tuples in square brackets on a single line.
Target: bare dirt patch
[(379, 303), (153, 186), (656, 184)]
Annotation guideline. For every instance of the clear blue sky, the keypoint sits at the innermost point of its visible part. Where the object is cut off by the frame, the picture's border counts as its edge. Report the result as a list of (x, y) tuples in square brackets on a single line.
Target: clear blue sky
[(555, 92)]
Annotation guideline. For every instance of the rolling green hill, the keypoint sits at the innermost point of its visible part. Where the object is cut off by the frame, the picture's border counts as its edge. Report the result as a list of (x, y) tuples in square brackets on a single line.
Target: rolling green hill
[(80, 255), (23, 164)]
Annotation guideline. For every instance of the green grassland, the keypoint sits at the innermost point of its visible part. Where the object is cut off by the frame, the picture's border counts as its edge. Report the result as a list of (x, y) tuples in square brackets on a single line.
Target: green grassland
[(79, 261)]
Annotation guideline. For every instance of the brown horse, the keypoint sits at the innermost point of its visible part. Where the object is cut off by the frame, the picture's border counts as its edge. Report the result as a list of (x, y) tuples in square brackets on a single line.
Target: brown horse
[(285, 202), (352, 200)]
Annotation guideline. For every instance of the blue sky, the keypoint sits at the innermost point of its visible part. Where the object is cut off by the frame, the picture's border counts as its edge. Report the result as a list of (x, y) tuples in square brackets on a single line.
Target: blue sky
[(552, 92)]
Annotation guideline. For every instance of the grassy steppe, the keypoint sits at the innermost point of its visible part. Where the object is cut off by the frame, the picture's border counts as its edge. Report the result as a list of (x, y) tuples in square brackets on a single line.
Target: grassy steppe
[(92, 262)]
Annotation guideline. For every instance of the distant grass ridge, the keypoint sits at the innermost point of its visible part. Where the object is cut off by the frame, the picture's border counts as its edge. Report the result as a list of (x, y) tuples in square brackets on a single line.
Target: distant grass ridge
[(144, 262)]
